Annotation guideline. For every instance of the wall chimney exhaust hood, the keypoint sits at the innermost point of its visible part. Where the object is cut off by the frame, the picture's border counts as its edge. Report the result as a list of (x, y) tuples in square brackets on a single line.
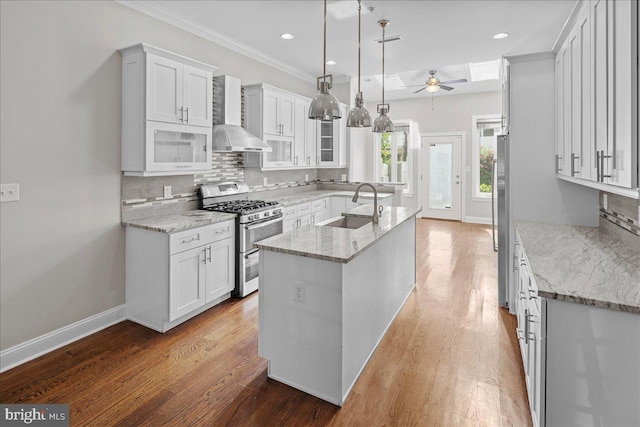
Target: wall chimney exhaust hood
[(228, 134)]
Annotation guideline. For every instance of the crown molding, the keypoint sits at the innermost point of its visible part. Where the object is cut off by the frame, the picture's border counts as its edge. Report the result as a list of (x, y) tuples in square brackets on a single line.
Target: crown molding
[(155, 10)]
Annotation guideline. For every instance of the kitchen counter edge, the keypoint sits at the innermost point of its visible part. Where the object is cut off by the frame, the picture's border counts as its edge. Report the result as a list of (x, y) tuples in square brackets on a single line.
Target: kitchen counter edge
[(584, 265)]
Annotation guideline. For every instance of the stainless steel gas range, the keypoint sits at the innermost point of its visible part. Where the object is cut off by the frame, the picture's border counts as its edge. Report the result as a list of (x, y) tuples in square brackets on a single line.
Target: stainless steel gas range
[(256, 221)]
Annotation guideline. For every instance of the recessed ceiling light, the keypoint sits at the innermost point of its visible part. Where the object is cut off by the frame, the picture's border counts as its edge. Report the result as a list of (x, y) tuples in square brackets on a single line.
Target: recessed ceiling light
[(286, 36), (501, 35), (331, 62)]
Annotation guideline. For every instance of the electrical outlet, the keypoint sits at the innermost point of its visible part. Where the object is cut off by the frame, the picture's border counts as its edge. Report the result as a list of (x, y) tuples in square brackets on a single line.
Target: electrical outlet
[(306, 177), (605, 202), (166, 191), (264, 181), (298, 292), (344, 176), (9, 192)]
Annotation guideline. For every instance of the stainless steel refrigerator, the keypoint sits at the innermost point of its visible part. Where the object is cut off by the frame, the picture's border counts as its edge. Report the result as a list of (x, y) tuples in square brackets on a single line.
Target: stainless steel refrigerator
[(501, 218)]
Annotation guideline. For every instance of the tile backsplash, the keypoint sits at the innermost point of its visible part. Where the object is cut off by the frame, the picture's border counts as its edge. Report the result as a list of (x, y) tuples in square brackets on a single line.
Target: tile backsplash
[(143, 196), (622, 211)]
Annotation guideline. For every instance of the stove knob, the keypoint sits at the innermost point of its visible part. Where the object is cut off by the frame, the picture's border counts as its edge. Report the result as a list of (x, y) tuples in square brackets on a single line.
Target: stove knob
[(266, 214)]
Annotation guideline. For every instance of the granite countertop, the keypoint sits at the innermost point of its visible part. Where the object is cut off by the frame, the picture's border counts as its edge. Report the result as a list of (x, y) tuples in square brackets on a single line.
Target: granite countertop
[(309, 196), (338, 244), (585, 265), (179, 222)]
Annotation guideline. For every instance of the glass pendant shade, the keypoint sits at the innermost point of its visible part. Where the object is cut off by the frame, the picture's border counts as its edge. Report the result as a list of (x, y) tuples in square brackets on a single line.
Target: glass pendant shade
[(324, 106), (359, 116), (433, 88), (383, 123)]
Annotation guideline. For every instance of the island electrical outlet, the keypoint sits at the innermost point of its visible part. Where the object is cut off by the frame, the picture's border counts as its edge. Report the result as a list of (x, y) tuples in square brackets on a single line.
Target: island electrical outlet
[(298, 292)]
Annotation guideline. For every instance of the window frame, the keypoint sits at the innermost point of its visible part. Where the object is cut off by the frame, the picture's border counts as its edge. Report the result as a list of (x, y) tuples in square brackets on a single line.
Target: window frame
[(407, 190), (476, 195)]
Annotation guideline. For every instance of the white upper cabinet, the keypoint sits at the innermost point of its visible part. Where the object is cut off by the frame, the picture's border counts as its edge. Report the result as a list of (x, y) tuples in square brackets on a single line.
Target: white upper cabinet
[(281, 119), (178, 93), (166, 113), (305, 134), (597, 98)]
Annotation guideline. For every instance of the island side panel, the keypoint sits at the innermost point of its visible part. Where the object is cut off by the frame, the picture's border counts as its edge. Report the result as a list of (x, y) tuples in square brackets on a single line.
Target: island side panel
[(375, 286), (301, 340)]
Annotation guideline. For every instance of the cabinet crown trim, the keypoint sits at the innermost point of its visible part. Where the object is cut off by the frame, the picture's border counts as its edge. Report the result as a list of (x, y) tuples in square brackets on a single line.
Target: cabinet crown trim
[(147, 48)]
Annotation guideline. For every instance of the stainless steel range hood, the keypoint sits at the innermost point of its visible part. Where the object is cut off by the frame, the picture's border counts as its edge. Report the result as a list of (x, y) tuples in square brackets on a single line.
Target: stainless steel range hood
[(228, 134)]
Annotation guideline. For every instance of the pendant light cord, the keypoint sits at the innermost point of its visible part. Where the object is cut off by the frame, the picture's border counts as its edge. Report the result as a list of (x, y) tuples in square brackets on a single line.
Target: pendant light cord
[(324, 47), (383, 43), (359, 32)]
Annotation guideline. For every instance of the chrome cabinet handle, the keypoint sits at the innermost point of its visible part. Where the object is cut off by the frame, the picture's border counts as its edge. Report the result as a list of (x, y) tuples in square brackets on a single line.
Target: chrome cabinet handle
[(602, 157), (308, 160), (209, 249), (187, 111), (193, 239), (221, 230), (204, 255), (573, 161), (558, 168), (182, 114), (515, 262), (528, 318), (522, 261), (296, 162), (597, 166)]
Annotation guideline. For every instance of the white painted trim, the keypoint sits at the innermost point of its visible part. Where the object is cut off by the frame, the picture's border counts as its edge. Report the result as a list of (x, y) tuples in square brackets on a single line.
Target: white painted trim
[(475, 153), (633, 193), (159, 12), (529, 56), (36, 347), (477, 220), (568, 24)]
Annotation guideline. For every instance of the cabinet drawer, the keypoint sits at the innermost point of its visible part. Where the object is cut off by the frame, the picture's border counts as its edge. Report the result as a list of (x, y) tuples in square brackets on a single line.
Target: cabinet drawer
[(195, 237), (304, 208), (318, 205)]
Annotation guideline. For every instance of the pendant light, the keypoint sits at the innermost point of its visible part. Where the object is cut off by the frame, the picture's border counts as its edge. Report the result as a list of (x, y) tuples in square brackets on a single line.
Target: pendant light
[(383, 123), (359, 117), (324, 106)]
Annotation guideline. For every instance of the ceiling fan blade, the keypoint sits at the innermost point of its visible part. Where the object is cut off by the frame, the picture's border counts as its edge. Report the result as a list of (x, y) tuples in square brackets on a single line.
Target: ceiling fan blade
[(405, 87), (446, 87), (454, 81), (420, 90)]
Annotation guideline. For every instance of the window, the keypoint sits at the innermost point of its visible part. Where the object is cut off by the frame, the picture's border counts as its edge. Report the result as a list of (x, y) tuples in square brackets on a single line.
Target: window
[(394, 163), (485, 132)]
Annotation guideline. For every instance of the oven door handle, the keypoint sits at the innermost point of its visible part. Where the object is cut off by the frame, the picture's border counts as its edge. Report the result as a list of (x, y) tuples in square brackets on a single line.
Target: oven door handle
[(262, 224)]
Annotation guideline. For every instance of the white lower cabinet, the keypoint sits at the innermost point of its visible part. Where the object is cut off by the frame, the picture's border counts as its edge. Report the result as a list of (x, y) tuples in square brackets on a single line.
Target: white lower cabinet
[(580, 361), (173, 277)]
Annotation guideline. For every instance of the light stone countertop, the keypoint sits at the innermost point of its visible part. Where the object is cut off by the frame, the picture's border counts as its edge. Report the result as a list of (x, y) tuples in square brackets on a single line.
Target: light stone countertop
[(584, 265), (338, 244), (180, 222), (309, 196)]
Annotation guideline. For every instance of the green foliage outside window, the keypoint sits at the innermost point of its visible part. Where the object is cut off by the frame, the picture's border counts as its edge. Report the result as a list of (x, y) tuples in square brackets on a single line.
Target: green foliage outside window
[(385, 149), (486, 164)]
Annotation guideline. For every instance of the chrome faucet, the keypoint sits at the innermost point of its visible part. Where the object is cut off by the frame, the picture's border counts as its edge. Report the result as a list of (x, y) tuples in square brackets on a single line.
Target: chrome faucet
[(374, 218)]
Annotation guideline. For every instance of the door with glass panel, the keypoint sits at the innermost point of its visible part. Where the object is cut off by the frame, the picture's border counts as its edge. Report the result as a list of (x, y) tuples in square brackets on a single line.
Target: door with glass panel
[(442, 177)]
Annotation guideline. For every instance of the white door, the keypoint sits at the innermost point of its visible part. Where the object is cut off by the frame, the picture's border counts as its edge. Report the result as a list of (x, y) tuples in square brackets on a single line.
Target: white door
[(187, 282), (164, 87), (220, 270), (442, 177), (197, 96)]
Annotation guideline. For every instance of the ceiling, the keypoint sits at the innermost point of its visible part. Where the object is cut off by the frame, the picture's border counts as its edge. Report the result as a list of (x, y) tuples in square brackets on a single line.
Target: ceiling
[(442, 35)]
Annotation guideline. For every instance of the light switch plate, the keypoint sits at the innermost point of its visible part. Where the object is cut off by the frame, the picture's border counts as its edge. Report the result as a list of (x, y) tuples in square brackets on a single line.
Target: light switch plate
[(9, 192), (166, 191), (264, 182), (306, 177), (605, 202), (344, 176)]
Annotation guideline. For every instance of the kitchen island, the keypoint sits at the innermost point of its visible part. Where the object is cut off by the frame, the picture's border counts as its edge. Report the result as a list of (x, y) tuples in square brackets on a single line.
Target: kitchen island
[(328, 294)]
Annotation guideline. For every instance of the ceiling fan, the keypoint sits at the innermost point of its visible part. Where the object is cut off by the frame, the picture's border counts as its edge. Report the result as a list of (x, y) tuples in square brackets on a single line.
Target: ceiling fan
[(433, 84)]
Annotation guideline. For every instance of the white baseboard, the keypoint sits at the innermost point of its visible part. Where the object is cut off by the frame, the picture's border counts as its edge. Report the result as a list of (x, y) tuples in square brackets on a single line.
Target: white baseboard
[(36, 347), (476, 220)]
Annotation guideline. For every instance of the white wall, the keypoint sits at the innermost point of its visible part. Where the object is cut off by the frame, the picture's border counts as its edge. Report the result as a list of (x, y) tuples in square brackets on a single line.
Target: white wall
[(451, 113), (62, 245)]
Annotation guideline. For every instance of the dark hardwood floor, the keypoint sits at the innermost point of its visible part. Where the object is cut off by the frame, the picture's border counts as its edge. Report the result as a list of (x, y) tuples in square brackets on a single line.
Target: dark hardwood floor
[(450, 358)]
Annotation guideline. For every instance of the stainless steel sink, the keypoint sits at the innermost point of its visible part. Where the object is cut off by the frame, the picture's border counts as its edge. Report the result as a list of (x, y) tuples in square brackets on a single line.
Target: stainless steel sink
[(351, 222)]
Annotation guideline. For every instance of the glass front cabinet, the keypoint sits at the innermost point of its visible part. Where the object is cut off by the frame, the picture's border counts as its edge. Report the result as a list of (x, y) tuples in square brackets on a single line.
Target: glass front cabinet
[(166, 113)]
